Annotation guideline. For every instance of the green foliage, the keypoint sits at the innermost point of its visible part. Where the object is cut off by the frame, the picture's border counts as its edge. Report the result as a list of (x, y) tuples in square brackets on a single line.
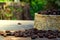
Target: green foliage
[(57, 2), (53, 3), (36, 5), (27, 1)]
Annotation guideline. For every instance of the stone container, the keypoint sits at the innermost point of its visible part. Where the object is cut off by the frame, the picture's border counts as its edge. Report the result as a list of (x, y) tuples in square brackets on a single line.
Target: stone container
[(47, 22)]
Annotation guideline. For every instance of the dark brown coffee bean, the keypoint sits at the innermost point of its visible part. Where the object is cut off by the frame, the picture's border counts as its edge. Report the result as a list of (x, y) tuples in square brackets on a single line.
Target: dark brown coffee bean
[(50, 37), (40, 35), (58, 35), (8, 32), (16, 34), (34, 36)]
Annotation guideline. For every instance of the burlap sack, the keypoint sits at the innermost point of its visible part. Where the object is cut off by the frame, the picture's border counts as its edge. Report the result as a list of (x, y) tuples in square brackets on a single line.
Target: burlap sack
[(47, 22)]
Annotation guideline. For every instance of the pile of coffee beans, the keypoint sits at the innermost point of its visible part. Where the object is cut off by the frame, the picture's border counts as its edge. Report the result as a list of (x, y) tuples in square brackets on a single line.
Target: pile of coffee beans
[(50, 12), (34, 33)]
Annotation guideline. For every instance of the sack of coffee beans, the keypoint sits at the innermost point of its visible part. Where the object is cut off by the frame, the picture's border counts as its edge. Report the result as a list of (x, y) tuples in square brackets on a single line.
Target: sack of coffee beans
[(47, 22)]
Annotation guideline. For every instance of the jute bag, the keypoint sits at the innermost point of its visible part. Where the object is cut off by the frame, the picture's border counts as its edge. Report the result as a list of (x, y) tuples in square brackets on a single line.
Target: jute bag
[(47, 22)]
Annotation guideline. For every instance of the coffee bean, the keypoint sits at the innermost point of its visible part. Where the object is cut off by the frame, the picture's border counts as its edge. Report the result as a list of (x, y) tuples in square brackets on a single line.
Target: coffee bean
[(34, 36)]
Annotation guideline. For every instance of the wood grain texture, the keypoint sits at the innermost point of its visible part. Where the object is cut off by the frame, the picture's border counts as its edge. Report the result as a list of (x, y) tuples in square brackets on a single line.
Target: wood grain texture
[(16, 38)]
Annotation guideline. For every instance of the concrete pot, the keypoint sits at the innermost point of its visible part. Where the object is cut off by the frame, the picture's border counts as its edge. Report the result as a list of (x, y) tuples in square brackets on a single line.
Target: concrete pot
[(47, 22)]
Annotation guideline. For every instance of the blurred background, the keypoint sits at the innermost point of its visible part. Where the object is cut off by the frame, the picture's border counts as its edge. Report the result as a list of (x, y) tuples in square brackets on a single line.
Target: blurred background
[(25, 9)]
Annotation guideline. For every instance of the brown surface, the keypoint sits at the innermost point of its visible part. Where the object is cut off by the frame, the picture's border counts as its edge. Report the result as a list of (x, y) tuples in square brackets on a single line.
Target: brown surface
[(16, 38)]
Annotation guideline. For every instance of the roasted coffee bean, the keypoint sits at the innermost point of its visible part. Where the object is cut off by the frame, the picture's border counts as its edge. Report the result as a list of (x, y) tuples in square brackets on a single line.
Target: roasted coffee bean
[(55, 33), (44, 31), (34, 36), (46, 34), (58, 35), (21, 34), (54, 13), (34, 33), (50, 12), (58, 31), (50, 37), (2, 34), (16, 34), (28, 35), (26, 31), (19, 23), (25, 34), (50, 31), (40, 35), (8, 32), (12, 33), (40, 31)]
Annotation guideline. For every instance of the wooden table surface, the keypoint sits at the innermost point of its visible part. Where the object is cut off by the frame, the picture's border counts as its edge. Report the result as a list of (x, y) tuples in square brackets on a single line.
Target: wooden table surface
[(28, 38)]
